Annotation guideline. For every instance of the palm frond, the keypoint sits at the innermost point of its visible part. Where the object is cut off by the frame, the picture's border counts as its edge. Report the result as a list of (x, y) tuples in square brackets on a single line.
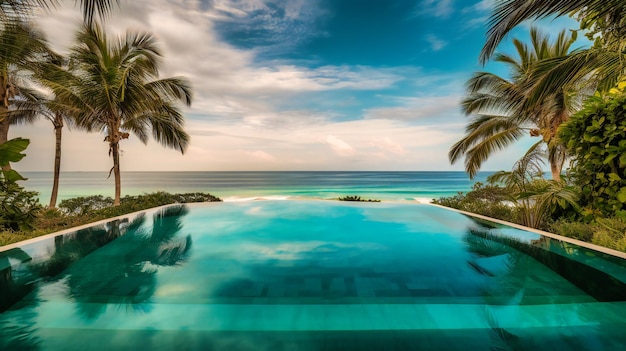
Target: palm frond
[(507, 14)]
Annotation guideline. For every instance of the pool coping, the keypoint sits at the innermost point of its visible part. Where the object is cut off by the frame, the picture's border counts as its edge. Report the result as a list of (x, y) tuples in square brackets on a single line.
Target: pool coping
[(80, 227), (591, 246), (584, 244)]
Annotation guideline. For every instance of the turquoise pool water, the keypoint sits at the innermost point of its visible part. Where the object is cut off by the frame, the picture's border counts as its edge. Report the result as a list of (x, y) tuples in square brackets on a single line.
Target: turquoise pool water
[(309, 275)]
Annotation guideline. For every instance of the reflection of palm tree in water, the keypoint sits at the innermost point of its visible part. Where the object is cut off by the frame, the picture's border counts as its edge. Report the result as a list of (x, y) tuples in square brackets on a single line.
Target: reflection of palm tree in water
[(129, 279), (16, 282)]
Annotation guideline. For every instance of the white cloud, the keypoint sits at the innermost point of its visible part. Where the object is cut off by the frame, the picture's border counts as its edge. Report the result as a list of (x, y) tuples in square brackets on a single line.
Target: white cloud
[(259, 155), (437, 8), (387, 145), (339, 146), (480, 7), (239, 119), (436, 44), (417, 108)]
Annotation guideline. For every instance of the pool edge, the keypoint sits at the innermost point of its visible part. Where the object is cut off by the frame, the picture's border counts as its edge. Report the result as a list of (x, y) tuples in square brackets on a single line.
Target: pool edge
[(584, 244), (73, 229)]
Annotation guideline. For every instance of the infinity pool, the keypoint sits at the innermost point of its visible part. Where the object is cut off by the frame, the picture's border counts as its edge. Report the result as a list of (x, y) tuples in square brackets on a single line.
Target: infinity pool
[(309, 275)]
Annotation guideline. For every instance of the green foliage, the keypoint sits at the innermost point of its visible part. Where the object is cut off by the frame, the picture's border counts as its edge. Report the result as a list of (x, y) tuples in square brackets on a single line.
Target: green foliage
[(488, 200), (576, 230), (101, 206), (18, 207), (80, 206), (356, 198), (596, 138), (84, 210), (501, 112), (607, 232), (11, 151), (611, 233)]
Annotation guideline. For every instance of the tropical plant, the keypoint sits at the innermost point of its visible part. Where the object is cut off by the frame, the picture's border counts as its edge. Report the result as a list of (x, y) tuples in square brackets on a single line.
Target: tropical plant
[(20, 45), (599, 16), (489, 200), (596, 137), (356, 198), (603, 22), (501, 113), (116, 90), (52, 74), (535, 198), (18, 207), (11, 151), (11, 8)]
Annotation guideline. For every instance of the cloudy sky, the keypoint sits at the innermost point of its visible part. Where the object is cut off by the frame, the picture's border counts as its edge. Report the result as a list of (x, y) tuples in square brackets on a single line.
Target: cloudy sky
[(297, 84)]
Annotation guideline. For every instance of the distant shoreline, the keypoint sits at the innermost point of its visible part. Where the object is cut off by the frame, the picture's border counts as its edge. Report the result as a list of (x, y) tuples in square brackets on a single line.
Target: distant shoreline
[(402, 186)]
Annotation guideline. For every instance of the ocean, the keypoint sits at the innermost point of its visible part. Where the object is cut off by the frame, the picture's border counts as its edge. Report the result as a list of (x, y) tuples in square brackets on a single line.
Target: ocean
[(243, 186)]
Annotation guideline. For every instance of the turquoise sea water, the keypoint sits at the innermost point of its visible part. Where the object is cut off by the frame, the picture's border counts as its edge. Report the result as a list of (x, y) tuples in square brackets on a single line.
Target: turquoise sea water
[(309, 275), (397, 186)]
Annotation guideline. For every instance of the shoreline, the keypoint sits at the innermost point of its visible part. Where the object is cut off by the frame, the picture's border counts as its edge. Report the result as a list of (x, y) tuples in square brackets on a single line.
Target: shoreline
[(386, 186)]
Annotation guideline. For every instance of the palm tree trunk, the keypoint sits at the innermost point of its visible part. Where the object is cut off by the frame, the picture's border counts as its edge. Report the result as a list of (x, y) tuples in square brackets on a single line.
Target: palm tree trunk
[(4, 130), (115, 150), (555, 170), (58, 130)]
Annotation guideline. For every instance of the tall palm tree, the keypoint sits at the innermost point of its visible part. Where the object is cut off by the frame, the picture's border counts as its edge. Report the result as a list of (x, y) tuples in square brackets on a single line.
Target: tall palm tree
[(52, 74), (20, 46), (117, 91), (501, 112), (9, 8)]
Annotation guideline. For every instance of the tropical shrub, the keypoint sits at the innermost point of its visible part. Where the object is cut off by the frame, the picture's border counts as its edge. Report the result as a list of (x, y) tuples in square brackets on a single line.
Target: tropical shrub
[(18, 207), (103, 206), (356, 198), (84, 210), (488, 200), (572, 229), (611, 233), (596, 138)]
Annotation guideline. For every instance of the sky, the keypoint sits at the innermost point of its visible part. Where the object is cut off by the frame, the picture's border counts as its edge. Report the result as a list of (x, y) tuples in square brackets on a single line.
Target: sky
[(312, 85)]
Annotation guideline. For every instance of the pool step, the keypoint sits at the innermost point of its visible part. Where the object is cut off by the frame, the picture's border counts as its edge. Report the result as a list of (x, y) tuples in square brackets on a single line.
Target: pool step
[(241, 317)]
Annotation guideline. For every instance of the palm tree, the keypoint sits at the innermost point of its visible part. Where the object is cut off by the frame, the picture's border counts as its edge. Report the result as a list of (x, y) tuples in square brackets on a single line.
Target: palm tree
[(117, 91), (10, 8), (54, 75), (535, 198), (603, 22), (507, 14), (502, 113), (20, 45)]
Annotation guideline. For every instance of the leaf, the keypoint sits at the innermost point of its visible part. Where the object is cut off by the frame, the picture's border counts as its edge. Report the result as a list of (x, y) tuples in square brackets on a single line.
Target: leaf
[(609, 158), (621, 195), (12, 176), (614, 177), (10, 151)]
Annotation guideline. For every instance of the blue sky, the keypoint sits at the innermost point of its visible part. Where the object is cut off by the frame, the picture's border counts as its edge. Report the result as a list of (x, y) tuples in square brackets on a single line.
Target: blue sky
[(299, 84)]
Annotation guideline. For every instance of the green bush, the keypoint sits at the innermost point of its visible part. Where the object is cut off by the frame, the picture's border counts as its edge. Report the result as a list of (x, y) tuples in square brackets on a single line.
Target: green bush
[(100, 206), (487, 200), (356, 198), (596, 139), (610, 232), (84, 210), (18, 207), (576, 230)]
